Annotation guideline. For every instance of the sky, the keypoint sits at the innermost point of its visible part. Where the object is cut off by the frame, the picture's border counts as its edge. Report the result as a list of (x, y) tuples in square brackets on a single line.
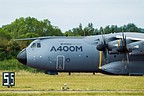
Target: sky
[(68, 14)]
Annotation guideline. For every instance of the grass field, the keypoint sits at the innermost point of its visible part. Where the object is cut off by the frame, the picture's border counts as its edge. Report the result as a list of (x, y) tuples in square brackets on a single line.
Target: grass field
[(42, 84)]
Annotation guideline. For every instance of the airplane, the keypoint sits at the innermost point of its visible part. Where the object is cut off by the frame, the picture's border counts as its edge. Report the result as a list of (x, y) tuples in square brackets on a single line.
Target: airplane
[(114, 54)]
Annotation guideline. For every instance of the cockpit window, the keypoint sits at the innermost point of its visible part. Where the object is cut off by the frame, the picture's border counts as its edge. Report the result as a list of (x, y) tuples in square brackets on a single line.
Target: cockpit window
[(33, 45), (36, 45)]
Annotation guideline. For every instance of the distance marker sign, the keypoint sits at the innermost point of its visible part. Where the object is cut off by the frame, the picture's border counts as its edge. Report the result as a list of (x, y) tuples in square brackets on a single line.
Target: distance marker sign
[(8, 79)]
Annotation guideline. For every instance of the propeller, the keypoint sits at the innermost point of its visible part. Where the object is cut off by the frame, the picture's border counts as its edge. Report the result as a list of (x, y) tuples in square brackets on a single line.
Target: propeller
[(123, 48), (104, 48)]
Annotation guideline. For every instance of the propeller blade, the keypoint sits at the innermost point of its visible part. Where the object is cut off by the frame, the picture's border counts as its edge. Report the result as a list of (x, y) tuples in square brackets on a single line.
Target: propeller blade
[(126, 51), (127, 58), (105, 52)]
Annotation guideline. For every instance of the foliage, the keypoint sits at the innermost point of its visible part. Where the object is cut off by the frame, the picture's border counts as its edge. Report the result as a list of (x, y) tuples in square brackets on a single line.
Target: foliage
[(29, 27), (13, 65), (23, 28), (90, 30)]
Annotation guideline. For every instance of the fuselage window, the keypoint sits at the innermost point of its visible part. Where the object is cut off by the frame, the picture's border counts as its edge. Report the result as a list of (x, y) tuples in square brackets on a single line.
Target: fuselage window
[(38, 45), (33, 45)]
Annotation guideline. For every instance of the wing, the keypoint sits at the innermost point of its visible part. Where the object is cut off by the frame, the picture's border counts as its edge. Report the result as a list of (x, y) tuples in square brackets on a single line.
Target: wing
[(40, 38), (51, 37)]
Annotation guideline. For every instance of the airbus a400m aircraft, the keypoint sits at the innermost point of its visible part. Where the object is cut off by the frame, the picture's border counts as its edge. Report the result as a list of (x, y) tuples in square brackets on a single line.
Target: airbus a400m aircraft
[(117, 53)]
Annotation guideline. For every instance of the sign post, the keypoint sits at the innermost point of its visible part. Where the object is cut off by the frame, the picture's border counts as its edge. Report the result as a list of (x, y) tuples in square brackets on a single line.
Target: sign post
[(8, 79)]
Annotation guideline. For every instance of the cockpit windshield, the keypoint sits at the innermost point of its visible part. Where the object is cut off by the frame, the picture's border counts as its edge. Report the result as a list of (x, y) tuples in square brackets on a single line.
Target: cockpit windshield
[(36, 45), (33, 45)]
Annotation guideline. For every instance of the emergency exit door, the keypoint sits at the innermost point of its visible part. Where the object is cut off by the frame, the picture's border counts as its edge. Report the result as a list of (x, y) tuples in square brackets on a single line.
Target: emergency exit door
[(60, 62)]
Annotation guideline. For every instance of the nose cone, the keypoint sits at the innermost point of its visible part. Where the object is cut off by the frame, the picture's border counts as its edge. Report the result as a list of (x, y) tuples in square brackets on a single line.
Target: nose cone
[(22, 57)]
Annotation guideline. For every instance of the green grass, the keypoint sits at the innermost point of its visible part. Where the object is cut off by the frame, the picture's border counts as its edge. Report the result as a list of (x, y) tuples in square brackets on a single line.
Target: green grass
[(14, 65), (43, 83), (75, 94)]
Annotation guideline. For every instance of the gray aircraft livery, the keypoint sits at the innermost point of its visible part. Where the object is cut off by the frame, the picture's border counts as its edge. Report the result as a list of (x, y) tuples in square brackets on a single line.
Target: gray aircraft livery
[(116, 53)]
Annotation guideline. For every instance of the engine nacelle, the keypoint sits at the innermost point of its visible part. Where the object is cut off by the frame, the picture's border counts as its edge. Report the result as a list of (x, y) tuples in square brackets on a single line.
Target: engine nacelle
[(102, 47)]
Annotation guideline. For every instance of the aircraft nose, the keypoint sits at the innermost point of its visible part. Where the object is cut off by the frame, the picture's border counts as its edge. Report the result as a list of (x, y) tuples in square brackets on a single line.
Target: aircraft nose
[(22, 57)]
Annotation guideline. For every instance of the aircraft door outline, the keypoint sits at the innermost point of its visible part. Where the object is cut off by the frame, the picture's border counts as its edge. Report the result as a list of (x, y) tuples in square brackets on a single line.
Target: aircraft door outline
[(60, 62)]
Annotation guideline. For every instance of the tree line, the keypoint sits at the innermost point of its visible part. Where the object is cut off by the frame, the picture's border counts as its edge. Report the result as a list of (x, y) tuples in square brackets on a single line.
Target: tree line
[(30, 27)]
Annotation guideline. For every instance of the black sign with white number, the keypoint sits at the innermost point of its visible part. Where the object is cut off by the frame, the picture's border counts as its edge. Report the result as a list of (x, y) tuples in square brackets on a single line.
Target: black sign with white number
[(8, 79)]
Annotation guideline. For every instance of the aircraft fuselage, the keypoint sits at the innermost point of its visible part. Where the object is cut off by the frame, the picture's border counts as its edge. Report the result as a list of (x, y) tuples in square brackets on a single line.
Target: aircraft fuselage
[(71, 54)]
